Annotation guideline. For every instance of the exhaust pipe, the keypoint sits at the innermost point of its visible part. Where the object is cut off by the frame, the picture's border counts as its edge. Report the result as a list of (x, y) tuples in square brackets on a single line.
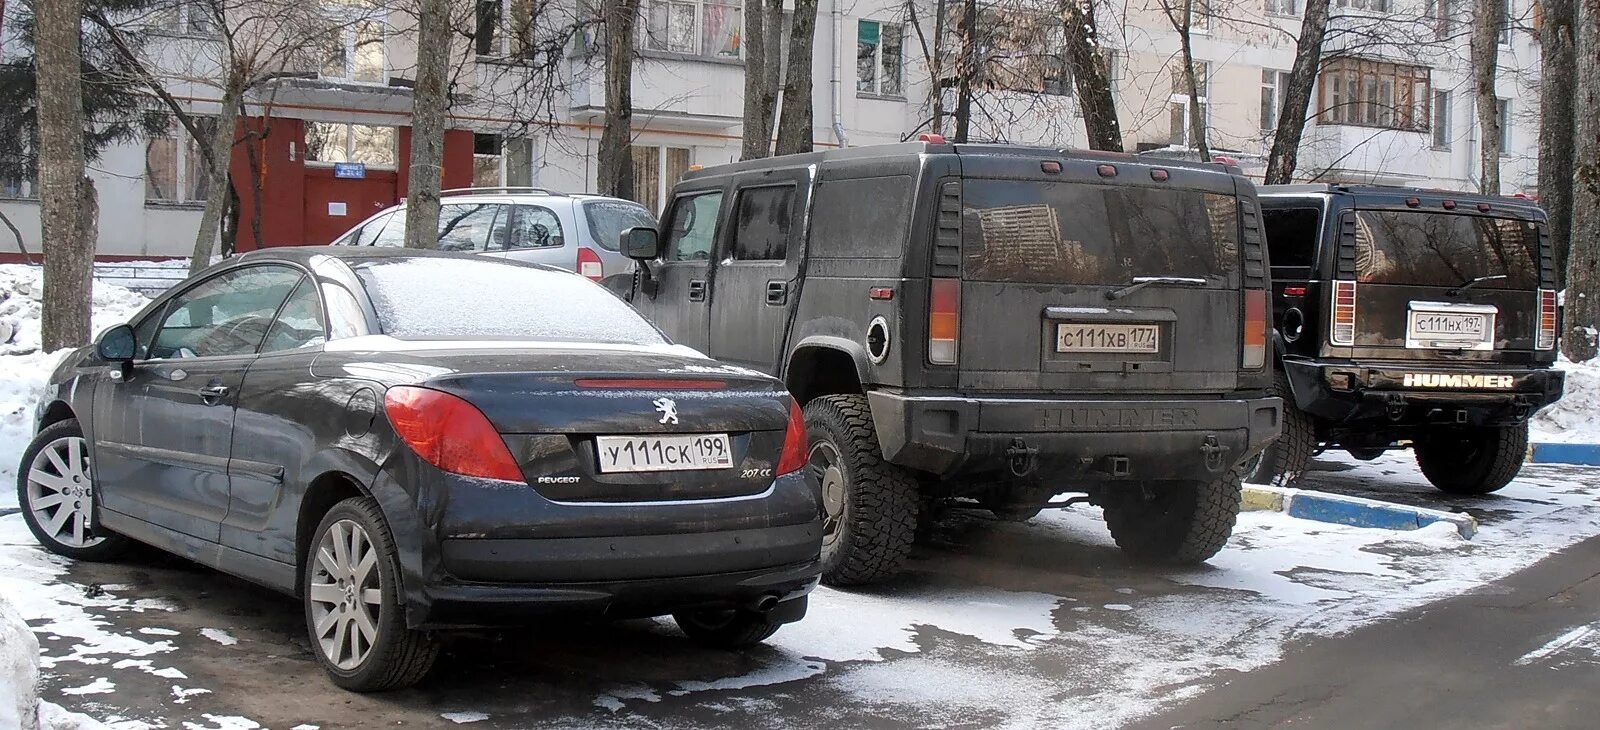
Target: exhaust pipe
[(762, 603)]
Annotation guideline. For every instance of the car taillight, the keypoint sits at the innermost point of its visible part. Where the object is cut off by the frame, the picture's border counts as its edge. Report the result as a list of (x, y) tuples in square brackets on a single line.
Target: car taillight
[(589, 264), (1255, 329), (1547, 320), (795, 444), (1344, 313), (449, 433), (944, 320)]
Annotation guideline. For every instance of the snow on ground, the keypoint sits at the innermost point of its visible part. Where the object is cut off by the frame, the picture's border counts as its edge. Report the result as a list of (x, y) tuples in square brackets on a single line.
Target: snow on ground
[(1576, 417), (24, 369)]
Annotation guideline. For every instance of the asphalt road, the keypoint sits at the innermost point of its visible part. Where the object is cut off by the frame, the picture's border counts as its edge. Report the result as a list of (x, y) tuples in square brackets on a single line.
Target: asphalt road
[(1079, 629)]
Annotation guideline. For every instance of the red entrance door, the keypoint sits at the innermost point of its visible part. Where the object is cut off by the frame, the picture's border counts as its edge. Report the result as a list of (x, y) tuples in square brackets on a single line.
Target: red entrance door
[(335, 205)]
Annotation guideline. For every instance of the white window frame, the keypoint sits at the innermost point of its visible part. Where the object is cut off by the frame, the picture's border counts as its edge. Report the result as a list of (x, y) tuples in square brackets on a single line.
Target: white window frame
[(698, 40), (183, 150), (1504, 109), (1283, 8), (503, 34), (1202, 69), (877, 61), (1443, 119), (178, 19), (348, 28), (1378, 7), (350, 146), (1280, 79)]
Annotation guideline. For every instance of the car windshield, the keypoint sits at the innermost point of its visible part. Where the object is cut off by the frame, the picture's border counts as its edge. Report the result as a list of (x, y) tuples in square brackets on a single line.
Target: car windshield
[(429, 298), (1445, 249), (609, 218), (1082, 233)]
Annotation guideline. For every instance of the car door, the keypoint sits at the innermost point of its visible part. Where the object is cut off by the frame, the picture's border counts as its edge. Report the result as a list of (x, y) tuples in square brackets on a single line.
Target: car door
[(466, 226), (757, 268), (166, 430), (533, 233), (681, 306), (282, 409)]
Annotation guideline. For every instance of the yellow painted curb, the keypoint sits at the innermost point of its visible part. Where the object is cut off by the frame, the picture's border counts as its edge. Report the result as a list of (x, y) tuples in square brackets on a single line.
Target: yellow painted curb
[(1255, 500)]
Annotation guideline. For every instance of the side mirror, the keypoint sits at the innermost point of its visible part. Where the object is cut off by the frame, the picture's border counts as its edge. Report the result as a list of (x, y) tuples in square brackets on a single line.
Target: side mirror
[(640, 243), (116, 345)]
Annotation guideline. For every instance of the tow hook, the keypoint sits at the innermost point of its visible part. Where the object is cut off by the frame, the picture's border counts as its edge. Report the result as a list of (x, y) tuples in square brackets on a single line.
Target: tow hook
[(1395, 407), (1024, 458), (1521, 408), (1213, 451)]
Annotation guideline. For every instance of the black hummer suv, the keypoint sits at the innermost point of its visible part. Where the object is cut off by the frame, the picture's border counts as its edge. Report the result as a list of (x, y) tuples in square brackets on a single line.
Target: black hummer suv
[(1410, 317), (989, 325)]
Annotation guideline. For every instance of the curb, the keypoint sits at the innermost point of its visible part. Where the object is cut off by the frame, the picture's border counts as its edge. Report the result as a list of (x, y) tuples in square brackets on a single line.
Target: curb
[(1356, 511), (1558, 453)]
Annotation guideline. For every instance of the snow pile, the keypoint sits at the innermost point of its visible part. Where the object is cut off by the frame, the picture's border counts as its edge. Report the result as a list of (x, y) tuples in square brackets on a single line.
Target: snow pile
[(24, 368), (20, 706), (1576, 417)]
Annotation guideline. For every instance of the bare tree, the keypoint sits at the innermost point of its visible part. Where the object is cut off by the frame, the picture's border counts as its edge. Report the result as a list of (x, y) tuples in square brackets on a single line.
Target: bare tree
[(1484, 45), (795, 120), (1285, 154), (966, 67), (68, 255), (1181, 15), (1556, 122), (429, 100), (1583, 259), (1091, 75), (615, 176), (762, 22)]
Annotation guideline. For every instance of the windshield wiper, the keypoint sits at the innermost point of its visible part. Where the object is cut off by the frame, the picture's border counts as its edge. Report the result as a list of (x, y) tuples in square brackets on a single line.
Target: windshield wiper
[(1474, 282), (1140, 282)]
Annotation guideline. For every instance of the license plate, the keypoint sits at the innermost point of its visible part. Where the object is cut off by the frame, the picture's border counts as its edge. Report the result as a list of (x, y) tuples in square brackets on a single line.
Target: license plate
[(1446, 326), (664, 453), (1134, 338)]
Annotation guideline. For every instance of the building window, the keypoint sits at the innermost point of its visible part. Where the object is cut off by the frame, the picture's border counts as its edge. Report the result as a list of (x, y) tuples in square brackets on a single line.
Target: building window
[(1505, 23), (1374, 6), (710, 28), (1441, 120), (499, 161), (1443, 15), (504, 28), (1283, 7), (331, 142), (174, 168), (655, 171), (355, 49), (1021, 51), (20, 184), (1178, 103), (1505, 125), (185, 17), (1374, 94), (1273, 86), (878, 57)]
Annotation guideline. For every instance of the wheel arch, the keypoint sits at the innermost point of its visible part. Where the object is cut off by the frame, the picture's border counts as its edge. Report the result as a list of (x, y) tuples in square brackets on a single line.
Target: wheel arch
[(53, 413), (825, 365)]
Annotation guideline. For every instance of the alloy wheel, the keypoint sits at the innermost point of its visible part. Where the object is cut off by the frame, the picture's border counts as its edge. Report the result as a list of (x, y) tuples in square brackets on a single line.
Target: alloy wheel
[(61, 492), (346, 594), (825, 465)]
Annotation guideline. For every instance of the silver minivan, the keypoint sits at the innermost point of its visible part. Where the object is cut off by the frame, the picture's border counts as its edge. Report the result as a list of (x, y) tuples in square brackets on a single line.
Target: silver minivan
[(576, 232)]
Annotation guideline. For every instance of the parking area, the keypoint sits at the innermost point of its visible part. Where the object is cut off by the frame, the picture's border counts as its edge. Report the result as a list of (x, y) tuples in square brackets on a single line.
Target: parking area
[(1042, 623)]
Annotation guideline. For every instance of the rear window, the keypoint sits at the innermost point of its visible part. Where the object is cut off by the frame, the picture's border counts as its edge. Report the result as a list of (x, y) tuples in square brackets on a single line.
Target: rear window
[(1077, 233), (427, 298), (609, 218), (1291, 235), (1445, 249)]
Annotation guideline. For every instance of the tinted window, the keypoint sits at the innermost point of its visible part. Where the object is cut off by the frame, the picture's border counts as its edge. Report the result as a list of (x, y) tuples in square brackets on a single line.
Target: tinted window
[(466, 227), (535, 227), (880, 235), (1079, 233), (692, 229), (448, 298), (1445, 249), (225, 315), (299, 322), (761, 223), (1291, 235), (609, 218)]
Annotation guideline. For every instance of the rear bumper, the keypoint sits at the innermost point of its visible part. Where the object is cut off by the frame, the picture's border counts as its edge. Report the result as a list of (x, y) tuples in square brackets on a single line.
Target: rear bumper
[(1355, 392), (1086, 440)]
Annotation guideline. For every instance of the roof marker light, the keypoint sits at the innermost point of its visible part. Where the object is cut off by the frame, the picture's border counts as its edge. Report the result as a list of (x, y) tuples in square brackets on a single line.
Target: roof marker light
[(1159, 175), (1107, 170)]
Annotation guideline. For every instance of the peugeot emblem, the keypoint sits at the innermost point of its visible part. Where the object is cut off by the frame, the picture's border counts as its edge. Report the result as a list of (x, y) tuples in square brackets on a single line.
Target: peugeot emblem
[(668, 410)]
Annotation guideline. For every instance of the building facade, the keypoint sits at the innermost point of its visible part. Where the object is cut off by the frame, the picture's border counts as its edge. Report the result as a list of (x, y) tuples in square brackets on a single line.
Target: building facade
[(332, 116)]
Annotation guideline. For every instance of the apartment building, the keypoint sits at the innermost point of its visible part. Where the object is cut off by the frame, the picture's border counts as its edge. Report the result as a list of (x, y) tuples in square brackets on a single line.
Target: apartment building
[(529, 99)]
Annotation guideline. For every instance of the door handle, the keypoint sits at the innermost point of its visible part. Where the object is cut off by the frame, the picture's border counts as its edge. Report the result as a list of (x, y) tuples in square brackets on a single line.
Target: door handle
[(697, 290), (213, 394), (777, 293)]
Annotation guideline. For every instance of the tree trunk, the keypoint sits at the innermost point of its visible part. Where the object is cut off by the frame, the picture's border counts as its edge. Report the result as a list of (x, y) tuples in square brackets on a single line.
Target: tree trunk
[(1583, 261), (796, 121), (966, 68), (757, 95), (1556, 124), (429, 102), (1285, 154), (221, 145), (68, 256), (1484, 46), (1197, 117), (941, 15), (1091, 76), (615, 176)]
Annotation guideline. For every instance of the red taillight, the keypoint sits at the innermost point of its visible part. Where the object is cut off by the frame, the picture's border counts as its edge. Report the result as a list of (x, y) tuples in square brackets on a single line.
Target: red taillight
[(589, 264), (944, 320), (648, 384), (1294, 291), (1255, 329), (1547, 320), (795, 444), (449, 433), (1344, 313)]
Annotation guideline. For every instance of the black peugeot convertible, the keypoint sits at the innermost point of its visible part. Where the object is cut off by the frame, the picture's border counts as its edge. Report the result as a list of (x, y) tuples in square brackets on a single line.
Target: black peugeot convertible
[(414, 441)]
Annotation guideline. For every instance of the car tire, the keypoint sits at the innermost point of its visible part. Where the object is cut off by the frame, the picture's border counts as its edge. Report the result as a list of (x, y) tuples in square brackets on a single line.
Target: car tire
[(56, 494), (870, 505), (730, 628), (1288, 456), (337, 590), (1180, 523), (1472, 460)]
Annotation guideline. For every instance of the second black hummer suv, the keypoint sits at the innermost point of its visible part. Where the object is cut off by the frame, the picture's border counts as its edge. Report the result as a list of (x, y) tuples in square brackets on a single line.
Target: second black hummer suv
[(988, 325), (1408, 317)]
